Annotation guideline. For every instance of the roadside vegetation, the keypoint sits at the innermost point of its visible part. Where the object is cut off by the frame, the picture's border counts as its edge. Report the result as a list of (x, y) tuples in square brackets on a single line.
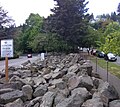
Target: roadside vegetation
[(68, 27)]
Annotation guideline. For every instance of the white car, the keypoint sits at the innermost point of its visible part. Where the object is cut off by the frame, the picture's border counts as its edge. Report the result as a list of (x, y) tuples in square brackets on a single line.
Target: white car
[(111, 57)]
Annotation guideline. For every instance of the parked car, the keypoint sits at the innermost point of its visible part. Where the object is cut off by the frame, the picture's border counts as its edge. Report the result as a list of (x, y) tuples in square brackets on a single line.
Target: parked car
[(110, 57), (29, 55), (100, 54)]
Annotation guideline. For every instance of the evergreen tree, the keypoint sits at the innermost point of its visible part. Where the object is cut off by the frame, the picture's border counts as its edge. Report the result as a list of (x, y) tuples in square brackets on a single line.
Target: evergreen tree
[(69, 20), (5, 23), (118, 10)]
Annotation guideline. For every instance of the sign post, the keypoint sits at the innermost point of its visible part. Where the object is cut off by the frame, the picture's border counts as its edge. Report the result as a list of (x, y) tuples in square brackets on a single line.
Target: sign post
[(6, 51), (6, 69)]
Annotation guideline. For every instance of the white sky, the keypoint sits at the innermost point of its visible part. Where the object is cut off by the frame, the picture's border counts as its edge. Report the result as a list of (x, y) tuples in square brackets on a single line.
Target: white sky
[(19, 10)]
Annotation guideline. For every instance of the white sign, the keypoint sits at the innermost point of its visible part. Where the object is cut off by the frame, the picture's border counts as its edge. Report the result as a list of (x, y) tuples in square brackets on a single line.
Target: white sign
[(7, 48), (42, 56)]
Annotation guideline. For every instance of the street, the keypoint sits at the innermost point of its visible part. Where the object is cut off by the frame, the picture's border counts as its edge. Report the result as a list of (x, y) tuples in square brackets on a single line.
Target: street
[(16, 62), (118, 61)]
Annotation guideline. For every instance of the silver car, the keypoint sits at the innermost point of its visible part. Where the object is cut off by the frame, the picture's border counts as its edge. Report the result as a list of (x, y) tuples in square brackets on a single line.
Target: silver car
[(111, 57)]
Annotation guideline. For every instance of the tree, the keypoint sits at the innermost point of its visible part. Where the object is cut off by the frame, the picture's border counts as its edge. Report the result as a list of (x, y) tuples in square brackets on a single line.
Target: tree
[(92, 38), (30, 30), (118, 9), (112, 39), (69, 20), (5, 23)]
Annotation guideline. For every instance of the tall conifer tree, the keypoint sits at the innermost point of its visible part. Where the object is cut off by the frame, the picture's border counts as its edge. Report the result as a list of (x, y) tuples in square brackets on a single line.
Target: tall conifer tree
[(69, 20)]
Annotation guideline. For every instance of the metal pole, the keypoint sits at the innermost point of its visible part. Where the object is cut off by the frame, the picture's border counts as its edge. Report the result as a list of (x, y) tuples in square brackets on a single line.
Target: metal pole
[(107, 71), (6, 68), (96, 64)]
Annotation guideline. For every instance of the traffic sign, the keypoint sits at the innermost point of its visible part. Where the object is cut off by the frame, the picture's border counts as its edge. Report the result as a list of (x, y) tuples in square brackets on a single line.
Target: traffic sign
[(7, 48)]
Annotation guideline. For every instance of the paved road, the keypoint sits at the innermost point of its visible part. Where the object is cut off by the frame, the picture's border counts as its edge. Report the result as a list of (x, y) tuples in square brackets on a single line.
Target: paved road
[(118, 61), (17, 62)]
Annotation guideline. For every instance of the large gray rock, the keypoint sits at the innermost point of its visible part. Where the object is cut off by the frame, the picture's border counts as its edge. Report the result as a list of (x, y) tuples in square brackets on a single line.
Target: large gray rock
[(78, 96), (67, 76), (27, 91), (93, 103), (6, 90), (98, 95), (74, 68), (88, 68), (97, 82), (59, 83), (34, 101), (59, 98), (73, 82), (81, 92), (115, 103), (47, 100), (107, 91), (40, 91), (10, 96), (16, 103), (86, 81), (39, 80), (13, 85)]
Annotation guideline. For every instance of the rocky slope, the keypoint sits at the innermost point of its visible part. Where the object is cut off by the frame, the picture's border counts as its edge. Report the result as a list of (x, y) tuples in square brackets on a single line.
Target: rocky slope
[(58, 81)]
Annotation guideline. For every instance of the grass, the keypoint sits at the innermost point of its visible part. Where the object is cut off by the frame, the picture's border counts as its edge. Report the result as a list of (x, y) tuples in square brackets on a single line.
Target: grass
[(112, 67)]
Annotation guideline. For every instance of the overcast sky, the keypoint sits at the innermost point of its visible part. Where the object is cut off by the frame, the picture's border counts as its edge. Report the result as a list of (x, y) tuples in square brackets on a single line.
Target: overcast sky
[(19, 10)]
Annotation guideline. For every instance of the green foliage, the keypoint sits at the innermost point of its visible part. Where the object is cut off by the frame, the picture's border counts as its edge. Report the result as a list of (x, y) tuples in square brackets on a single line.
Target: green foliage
[(92, 38), (35, 39), (112, 39), (69, 21), (30, 30), (56, 44)]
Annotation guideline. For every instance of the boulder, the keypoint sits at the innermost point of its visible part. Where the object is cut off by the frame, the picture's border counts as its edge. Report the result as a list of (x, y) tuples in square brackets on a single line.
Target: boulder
[(6, 90), (78, 96), (59, 83), (27, 91), (86, 81), (40, 91), (10, 96), (108, 91), (47, 100), (93, 103), (73, 82), (16, 103), (114, 103), (74, 68), (88, 68), (59, 98), (34, 101), (39, 80)]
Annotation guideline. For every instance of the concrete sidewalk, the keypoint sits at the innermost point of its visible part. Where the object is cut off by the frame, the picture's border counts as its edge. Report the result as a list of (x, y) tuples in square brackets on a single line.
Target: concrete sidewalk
[(113, 80)]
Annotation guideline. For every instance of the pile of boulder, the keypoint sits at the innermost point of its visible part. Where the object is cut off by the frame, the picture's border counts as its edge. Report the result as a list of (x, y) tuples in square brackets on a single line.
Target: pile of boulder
[(58, 81)]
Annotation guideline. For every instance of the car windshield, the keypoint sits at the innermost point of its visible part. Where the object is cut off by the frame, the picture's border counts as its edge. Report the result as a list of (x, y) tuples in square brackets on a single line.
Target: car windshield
[(102, 52), (111, 55)]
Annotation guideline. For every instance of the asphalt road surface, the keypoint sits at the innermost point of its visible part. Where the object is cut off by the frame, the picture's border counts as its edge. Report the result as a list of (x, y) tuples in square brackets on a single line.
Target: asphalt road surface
[(17, 62), (118, 61)]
